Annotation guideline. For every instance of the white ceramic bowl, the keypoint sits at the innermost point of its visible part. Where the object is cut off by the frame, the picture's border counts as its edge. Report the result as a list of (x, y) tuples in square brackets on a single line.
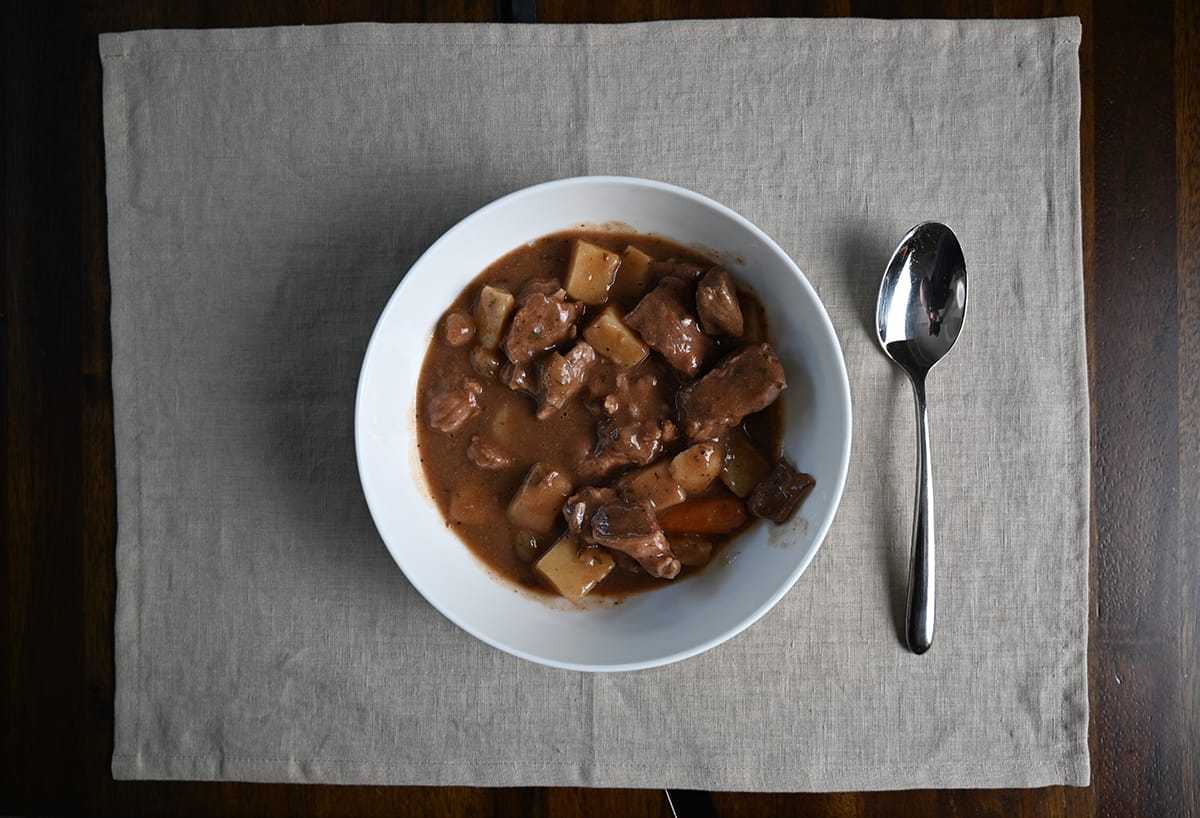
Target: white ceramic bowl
[(654, 628)]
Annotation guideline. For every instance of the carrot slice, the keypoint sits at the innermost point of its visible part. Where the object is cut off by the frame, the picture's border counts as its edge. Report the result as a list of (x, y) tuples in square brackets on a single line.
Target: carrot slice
[(704, 515)]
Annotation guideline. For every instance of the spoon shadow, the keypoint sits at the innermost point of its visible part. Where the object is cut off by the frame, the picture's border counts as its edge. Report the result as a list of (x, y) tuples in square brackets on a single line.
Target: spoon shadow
[(895, 529), (866, 251)]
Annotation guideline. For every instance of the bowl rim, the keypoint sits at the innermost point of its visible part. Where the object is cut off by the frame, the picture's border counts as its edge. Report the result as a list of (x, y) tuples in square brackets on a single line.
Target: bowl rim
[(825, 326)]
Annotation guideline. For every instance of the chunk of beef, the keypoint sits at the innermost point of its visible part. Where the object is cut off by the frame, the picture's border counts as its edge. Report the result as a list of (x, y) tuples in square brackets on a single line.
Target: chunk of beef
[(625, 562), (458, 328), (777, 497), (664, 320), (687, 270), (601, 381), (453, 404), (561, 376), (717, 304), (518, 378), (541, 322), (545, 286), (485, 361), (487, 455), (580, 507), (629, 526), (744, 382), (636, 425)]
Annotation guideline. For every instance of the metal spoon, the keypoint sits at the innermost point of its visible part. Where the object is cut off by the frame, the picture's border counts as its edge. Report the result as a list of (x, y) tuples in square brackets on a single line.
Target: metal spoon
[(922, 303)]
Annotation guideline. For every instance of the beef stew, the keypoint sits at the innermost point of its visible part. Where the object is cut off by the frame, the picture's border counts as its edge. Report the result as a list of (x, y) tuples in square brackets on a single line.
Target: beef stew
[(599, 413)]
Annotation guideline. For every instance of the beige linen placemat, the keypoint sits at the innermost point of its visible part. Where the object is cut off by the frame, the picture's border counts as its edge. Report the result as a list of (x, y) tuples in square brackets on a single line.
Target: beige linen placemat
[(268, 188)]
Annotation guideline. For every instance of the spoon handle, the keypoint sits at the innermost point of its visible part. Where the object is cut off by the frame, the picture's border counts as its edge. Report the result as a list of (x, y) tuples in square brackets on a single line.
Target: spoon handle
[(919, 616)]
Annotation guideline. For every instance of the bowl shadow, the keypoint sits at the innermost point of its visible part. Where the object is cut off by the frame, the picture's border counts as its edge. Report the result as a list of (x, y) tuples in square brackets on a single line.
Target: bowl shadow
[(336, 278)]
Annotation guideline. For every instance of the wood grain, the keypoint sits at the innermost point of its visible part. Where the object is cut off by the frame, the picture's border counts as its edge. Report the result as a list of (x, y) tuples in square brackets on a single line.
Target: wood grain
[(1187, 251), (1140, 160), (1136, 468)]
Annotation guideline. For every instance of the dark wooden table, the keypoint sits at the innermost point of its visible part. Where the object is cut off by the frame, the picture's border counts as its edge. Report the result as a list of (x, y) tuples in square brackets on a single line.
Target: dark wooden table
[(1141, 237)]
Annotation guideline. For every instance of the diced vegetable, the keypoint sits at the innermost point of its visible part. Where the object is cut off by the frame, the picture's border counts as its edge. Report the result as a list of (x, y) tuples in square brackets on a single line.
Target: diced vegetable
[(574, 571), (720, 514), (492, 312), (505, 428), (539, 500), (613, 338), (744, 467), (526, 545), (473, 503), (653, 483), (591, 272), (633, 280), (485, 361), (696, 467), (692, 550)]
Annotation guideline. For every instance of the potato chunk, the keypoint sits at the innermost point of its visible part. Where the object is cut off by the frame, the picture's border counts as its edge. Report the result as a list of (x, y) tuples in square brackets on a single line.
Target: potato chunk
[(591, 272), (613, 338), (744, 467), (506, 427), (633, 276), (653, 483), (526, 546), (574, 571), (696, 467), (493, 309), (538, 502)]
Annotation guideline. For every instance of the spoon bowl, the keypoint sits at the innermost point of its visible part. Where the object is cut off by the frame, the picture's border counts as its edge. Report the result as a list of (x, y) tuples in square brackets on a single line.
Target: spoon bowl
[(922, 305), (923, 298)]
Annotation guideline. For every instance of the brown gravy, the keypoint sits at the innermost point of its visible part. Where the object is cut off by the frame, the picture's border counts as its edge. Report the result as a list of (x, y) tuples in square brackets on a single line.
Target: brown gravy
[(473, 500)]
